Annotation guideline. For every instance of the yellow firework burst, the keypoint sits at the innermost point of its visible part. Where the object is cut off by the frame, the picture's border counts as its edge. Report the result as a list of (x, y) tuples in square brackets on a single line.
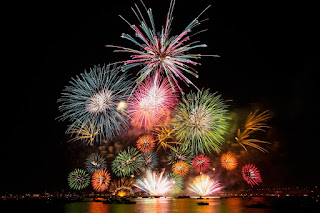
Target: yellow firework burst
[(229, 161), (180, 168), (255, 122), (165, 137), (84, 132)]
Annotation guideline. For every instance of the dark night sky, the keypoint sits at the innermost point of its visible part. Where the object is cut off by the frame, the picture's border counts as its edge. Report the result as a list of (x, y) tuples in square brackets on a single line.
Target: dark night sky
[(267, 59)]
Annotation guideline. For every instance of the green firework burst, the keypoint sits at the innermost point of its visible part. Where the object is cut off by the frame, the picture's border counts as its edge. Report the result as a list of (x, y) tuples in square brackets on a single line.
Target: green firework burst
[(78, 179), (127, 162), (201, 121), (177, 182)]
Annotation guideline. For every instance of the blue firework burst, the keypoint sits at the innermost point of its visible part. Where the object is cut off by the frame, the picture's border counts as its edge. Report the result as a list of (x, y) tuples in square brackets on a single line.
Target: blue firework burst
[(95, 96), (95, 162)]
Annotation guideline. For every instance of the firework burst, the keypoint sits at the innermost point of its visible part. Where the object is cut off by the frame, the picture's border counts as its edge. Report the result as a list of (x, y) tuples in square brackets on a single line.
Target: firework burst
[(177, 183), (83, 132), (150, 160), (229, 161), (180, 154), (180, 168), (201, 121), (127, 162), (161, 54), (165, 137), (204, 186), (94, 163), (78, 179), (201, 163), (151, 102), (122, 186), (145, 143), (94, 97), (154, 183), (100, 180), (254, 122), (251, 174)]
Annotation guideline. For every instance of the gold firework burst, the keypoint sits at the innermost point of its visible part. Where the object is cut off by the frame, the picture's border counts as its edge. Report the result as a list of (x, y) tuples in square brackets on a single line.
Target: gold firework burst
[(84, 132), (255, 122), (165, 137)]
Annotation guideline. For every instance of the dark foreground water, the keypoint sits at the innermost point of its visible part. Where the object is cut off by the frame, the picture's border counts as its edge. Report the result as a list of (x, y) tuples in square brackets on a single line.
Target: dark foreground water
[(147, 205)]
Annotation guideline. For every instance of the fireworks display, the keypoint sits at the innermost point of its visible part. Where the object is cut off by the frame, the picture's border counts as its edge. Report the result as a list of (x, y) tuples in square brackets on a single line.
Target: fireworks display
[(180, 168), (154, 183), (159, 53), (151, 102), (100, 180), (201, 121), (94, 96), (229, 161), (204, 186), (201, 163), (127, 162), (145, 143), (168, 130), (78, 179), (251, 174), (95, 162), (255, 122)]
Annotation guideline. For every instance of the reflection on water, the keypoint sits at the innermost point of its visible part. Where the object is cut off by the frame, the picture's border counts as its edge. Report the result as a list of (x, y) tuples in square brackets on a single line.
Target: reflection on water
[(158, 205)]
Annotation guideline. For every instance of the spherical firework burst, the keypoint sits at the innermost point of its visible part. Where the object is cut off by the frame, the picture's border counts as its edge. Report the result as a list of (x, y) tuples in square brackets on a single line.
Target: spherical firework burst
[(180, 154), (251, 174), (161, 54), (151, 102), (229, 161), (94, 163), (180, 168), (95, 96), (127, 162), (177, 183), (201, 163), (78, 179), (101, 180), (154, 183), (145, 143), (204, 186), (201, 121), (150, 160)]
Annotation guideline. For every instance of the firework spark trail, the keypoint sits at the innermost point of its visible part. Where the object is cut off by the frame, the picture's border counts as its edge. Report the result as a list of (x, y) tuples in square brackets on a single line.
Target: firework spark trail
[(94, 97), (254, 122), (251, 174), (100, 180), (159, 53), (204, 186), (201, 122), (155, 183)]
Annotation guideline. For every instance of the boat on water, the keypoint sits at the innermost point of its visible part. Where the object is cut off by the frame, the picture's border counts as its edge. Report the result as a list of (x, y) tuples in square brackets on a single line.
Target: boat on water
[(203, 203)]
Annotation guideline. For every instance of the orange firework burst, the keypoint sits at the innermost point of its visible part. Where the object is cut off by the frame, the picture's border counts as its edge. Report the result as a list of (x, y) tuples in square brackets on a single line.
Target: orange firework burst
[(100, 180), (145, 143), (180, 168), (229, 161)]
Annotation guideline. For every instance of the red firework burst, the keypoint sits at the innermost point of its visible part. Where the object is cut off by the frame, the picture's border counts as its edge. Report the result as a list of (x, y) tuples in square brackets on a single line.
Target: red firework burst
[(145, 143), (201, 163), (101, 180), (251, 174), (151, 102)]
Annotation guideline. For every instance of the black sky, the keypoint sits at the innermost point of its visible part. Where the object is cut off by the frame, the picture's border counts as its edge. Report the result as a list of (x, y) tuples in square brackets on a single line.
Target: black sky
[(268, 58)]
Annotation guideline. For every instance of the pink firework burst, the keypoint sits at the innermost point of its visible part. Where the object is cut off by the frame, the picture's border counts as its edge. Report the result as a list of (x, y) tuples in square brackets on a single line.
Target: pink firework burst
[(201, 163), (151, 102), (251, 174), (159, 52)]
